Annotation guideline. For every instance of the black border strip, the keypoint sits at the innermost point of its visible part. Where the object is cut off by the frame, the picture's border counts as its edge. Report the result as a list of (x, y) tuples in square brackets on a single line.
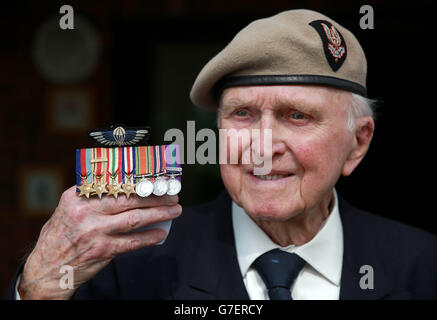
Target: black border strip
[(259, 80)]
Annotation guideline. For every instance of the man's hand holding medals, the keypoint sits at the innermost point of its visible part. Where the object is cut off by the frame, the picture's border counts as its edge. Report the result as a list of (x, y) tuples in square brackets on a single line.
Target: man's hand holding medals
[(121, 188)]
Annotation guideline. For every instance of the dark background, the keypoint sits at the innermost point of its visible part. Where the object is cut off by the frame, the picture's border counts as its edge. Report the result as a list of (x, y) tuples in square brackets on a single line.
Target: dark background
[(150, 54)]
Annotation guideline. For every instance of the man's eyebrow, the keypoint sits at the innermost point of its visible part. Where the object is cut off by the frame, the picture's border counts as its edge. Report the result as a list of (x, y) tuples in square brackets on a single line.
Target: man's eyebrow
[(279, 101), (235, 103), (300, 104)]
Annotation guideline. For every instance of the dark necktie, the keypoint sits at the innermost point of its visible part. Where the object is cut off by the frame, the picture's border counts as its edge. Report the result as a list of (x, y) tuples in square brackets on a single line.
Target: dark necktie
[(279, 270)]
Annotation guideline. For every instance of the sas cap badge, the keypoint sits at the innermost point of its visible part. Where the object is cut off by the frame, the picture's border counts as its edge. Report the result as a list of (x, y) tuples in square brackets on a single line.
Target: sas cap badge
[(334, 45)]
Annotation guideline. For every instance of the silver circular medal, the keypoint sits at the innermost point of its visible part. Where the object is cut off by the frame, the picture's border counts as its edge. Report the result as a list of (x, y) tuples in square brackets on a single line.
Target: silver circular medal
[(144, 188), (174, 187), (160, 187)]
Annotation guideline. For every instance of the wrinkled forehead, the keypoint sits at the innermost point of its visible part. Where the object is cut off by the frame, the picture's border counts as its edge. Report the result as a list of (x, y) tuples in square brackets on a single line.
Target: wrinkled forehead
[(305, 96)]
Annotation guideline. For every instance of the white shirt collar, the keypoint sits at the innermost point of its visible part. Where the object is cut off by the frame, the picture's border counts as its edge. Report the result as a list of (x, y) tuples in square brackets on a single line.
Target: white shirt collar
[(324, 252)]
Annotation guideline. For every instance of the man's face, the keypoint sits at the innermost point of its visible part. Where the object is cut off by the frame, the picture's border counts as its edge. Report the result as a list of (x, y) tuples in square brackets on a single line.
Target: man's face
[(311, 147)]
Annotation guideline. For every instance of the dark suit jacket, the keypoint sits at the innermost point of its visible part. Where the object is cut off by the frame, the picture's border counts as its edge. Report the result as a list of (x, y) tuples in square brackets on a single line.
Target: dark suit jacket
[(199, 261)]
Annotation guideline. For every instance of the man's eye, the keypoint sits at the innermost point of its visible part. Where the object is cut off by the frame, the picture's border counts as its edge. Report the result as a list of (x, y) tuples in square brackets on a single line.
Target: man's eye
[(241, 113), (298, 116)]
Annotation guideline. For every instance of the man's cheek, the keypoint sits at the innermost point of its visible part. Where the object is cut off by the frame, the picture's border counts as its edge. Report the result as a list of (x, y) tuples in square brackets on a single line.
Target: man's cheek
[(308, 154), (321, 162), (234, 146), (227, 151), (231, 177)]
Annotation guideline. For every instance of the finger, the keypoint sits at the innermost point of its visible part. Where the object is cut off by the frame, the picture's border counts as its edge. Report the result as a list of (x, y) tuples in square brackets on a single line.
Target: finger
[(69, 195), (137, 240), (140, 217), (109, 205), (112, 206)]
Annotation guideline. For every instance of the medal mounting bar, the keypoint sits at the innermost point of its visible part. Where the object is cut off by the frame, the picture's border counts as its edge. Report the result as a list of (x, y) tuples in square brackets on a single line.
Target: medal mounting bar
[(124, 164)]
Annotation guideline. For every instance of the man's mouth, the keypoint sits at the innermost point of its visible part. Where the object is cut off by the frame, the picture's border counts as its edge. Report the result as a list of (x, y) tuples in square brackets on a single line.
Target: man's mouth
[(273, 177)]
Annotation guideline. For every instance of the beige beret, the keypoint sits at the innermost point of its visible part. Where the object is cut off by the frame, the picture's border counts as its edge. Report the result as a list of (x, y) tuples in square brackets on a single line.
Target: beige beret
[(292, 47)]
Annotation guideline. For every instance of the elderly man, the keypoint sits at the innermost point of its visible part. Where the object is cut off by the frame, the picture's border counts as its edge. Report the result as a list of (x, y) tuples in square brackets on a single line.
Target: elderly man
[(286, 234)]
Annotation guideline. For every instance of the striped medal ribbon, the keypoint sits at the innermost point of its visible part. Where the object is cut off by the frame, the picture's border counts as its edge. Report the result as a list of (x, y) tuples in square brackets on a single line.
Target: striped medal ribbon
[(173, 169), (99, 163), (113, 171), (144, 186), (128, 172), (160, 186), (84, 180)]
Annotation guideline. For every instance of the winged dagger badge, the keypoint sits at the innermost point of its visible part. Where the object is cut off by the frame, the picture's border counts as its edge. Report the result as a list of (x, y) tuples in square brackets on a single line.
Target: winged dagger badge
[(120, 136), (334, 46)]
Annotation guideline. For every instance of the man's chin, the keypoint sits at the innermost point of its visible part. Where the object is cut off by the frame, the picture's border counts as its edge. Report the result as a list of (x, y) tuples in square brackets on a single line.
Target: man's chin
[(268, 210)]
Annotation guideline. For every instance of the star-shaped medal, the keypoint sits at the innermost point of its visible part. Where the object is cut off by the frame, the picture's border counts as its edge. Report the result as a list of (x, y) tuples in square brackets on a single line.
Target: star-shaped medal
[(115, 188), (100, 188), (86, 189), (129, 188)]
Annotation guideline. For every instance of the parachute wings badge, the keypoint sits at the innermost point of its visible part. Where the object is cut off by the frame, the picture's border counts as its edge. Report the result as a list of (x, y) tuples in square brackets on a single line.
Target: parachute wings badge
[(120, 136)]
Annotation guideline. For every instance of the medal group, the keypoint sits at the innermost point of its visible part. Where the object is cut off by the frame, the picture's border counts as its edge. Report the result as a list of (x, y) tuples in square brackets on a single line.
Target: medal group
[(141, 170)]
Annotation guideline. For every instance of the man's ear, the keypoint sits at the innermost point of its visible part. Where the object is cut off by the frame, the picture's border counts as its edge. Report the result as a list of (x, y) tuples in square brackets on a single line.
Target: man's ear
[(364, 129)]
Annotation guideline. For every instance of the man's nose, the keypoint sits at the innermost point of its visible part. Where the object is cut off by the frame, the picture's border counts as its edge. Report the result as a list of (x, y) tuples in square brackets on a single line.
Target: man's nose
[(271, 140)]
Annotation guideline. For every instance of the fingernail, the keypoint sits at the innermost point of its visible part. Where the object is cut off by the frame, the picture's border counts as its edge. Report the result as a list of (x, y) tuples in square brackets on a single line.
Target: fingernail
[(175, 210)]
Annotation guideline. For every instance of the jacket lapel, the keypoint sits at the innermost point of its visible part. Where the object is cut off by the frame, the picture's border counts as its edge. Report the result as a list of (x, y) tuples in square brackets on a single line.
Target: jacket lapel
[(215, 273), (360, 252)]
